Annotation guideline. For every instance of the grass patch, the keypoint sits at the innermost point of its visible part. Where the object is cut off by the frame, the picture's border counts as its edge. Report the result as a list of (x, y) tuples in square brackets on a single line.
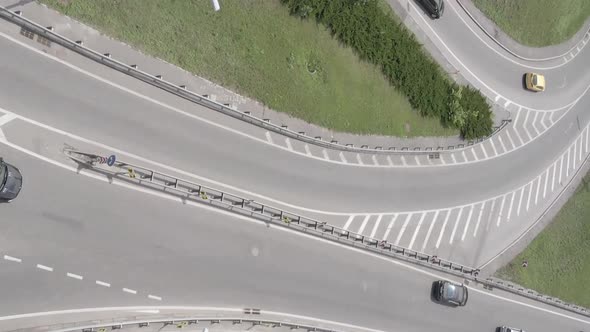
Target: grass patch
[(558, 259), (257, 49), (537, 22)]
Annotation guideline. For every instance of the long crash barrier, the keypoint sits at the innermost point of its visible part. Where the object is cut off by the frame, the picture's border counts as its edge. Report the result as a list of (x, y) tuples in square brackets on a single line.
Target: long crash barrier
[(46, 34), (203, 323), (189, 190)]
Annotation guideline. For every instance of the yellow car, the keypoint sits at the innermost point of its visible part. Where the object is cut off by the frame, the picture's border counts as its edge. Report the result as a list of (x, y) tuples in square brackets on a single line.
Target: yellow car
[(535, 82)]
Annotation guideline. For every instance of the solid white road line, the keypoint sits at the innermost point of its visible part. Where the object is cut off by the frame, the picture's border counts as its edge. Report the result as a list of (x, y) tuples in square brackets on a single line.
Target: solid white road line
[(130, 291), (538, 187), (561, 167), (501, 209), (325, 153), (359, 160), (517, 116), (444, 226), (510, 206), (493, 146), (288, 143), (375, 160), (417, 160), (526, 130), (581, 146), (376, 226), (434, 219), (390, 226), (401, 232), (74, 276), (502, 144), (467, 222), (453, 157), (102, 283), (520, 200), (473, 152), (456, 224), (350, 219), (343, 158), (553, 177), (567, 169), (12, 259), (491, 214), (404, 161), (543, 121), (364, 224), (528, 201), (389, 161), (43, 267), (518, 136), (6, 118), (534, 121), (483, 149), (574, 154), (307, 151), (510, 139), (586, 147), (546, 181), (464, 156), (483, 205), (153, 297), (417, 230), (268, 137)]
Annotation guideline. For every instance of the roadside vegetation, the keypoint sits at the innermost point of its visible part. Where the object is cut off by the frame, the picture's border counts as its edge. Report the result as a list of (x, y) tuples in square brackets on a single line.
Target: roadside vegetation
[(379, 39), (296, 66), (558, 258), (537, 22)]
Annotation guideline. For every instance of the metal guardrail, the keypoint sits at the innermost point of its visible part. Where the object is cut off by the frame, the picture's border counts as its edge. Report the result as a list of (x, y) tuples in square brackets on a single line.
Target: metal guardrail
[(180, 323), (46, 34), (192, 191), (531, 294), (196, 192)]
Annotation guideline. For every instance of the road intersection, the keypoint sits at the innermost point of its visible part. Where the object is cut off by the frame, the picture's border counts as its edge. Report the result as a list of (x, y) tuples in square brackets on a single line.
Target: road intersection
[(466, 206)]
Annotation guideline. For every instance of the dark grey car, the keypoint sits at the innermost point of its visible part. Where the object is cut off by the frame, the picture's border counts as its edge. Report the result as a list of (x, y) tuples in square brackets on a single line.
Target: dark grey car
[(450, 293), (435, 8), (11, 181)]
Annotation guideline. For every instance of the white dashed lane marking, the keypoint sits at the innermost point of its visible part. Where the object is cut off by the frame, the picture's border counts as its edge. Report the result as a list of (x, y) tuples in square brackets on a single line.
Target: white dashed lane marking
[(12, 259), (102, 283), (130, 291), (43, 267), (74, 276)]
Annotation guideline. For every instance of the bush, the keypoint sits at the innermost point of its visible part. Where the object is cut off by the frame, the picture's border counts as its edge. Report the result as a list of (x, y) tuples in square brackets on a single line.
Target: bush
[(378, 38)]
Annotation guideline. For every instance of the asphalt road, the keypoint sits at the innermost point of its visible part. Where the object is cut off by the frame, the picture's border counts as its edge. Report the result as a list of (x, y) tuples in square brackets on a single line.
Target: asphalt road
[(192, 256), (189, 255)]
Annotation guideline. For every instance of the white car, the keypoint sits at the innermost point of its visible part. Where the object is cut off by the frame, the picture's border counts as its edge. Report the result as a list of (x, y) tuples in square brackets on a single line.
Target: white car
[(510, 329)]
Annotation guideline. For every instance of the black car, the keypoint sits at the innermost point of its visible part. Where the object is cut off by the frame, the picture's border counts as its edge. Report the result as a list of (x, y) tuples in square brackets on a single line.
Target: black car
[(11, 181), (435, 8), (450, 293)]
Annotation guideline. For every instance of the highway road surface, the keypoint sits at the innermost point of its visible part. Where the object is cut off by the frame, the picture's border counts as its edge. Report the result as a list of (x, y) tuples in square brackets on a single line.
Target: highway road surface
[(84, 235), (190, 255)]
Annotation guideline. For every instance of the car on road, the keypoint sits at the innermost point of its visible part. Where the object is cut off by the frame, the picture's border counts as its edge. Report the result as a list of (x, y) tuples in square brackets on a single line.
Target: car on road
[(534, 82), (447, 292), (435, 8), (11, 181), (509, 329)]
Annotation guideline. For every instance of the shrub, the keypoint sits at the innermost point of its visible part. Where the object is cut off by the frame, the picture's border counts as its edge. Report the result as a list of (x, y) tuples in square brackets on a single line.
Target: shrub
[(378, 38)]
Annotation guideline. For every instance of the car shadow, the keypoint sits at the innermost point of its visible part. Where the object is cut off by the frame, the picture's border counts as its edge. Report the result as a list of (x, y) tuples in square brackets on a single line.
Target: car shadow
[(524, 82)]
